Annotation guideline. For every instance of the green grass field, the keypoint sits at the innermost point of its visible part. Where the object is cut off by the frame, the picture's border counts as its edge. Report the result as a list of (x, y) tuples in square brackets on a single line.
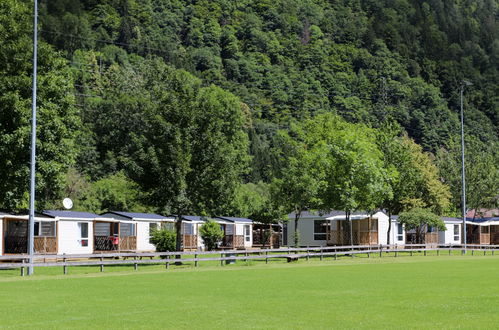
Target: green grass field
[(404, 292)]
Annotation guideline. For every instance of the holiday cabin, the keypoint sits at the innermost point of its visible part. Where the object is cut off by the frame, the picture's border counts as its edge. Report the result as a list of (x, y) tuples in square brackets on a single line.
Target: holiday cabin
[(135, 229)]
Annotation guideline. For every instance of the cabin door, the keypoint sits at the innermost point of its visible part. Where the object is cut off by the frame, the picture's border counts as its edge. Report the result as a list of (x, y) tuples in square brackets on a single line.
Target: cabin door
[(16, 236)]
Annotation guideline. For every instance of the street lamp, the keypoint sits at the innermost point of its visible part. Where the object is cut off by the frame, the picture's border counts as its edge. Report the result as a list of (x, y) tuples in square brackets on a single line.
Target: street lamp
[(31, 242), (463, 175)]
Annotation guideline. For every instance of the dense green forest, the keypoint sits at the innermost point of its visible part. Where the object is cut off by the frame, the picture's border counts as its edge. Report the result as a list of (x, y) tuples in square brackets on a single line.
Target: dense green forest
[(251, 107)]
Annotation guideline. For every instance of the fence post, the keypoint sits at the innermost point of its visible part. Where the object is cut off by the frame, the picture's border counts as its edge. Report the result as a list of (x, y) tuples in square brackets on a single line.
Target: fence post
[(450, 248), (335, 254), (195, 260), (221, 261), (307, 253), (22, 268), (381, 251), (438, 251), (322, 256), (167, 265), (425, 251), (101, 265), (266, 257), (472, 252), (65, 267), (395, 252), (135, 265)]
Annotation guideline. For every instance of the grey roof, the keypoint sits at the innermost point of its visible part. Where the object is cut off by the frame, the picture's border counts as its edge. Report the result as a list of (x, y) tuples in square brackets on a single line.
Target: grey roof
[(192, 217), (134, 215), (235, 219), (450, 219), (69, 214), (323, 214)]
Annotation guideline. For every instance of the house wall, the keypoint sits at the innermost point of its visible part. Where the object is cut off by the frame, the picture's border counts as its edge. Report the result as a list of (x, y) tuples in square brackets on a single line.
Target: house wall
[(382, 227), (447, 236), (69, 237), (306, 228), (394, 234), (239, 228), (142, 233)]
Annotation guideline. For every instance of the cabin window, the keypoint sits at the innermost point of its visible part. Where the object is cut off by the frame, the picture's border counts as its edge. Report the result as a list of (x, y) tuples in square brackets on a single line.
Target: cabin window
[(189, 229), (168, 226), (485, 229), (127, 229), (456, 232), (247, 233), (400, 232), (152, 227), (83, 233), (320, 230)]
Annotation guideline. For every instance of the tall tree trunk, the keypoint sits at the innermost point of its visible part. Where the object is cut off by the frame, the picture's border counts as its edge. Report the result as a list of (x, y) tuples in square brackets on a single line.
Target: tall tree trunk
[(297, 232), (178, 236)]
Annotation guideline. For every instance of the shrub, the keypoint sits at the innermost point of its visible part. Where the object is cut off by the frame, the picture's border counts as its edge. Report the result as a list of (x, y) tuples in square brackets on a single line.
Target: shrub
[(164, 240), (212, 234)]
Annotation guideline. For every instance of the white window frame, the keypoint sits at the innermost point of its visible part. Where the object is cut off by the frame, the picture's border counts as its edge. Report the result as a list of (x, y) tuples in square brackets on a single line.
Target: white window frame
[(83, 239), (247, 233), (456, 236), (324, 223), (400, 232), (151, 225)]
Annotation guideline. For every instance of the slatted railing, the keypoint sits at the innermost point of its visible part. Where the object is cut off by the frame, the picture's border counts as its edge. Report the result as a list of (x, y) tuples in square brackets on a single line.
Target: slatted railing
[(168, 258)]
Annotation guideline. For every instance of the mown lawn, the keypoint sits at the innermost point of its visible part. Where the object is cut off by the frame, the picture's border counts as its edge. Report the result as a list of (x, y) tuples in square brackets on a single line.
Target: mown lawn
[(404, 292)]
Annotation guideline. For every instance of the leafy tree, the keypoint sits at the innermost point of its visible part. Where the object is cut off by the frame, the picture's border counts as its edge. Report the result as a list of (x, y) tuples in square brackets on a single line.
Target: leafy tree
[(211, 233), (482, 173), (57, 116), (411, 175), (420, 219), (164, 240), (300, 178)]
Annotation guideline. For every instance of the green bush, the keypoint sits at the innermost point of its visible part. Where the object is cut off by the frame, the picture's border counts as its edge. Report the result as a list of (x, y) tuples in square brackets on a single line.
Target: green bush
[(164, 240), (212, 234)]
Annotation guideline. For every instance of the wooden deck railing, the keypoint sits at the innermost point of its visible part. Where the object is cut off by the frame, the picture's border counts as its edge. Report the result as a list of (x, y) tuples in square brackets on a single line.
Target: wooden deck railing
[(167, 258)]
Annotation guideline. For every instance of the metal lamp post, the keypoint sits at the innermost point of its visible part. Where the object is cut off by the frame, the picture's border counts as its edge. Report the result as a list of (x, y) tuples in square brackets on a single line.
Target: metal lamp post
[(463, 174), (31, 241)]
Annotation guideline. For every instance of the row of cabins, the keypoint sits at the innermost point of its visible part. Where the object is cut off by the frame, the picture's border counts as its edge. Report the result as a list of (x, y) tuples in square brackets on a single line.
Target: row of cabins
[(332, 228), (68, 232)]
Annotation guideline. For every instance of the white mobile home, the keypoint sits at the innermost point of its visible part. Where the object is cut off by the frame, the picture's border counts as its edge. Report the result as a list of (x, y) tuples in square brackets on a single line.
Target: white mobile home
[(135, 229), (452, 233), (75, 231), (332, 228), (14, 229), (238, 232), (191, 240)]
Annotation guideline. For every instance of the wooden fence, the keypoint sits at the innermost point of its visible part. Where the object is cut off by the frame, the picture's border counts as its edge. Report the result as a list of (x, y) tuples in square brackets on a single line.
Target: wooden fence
[(291, 254)]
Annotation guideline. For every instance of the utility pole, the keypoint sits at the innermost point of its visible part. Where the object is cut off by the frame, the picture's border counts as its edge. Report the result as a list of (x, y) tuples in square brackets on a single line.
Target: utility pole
[(463, 173), (31, 241)]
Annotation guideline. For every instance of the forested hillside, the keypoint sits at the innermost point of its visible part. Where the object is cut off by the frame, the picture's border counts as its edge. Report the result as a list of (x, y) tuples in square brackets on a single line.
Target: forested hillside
[(202, 106)]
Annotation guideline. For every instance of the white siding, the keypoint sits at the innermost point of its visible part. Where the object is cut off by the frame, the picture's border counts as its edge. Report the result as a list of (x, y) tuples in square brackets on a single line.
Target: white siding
[(382, 227), (447, 236), (69, 237), (143, 236), (394, 234), (306, 229)]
